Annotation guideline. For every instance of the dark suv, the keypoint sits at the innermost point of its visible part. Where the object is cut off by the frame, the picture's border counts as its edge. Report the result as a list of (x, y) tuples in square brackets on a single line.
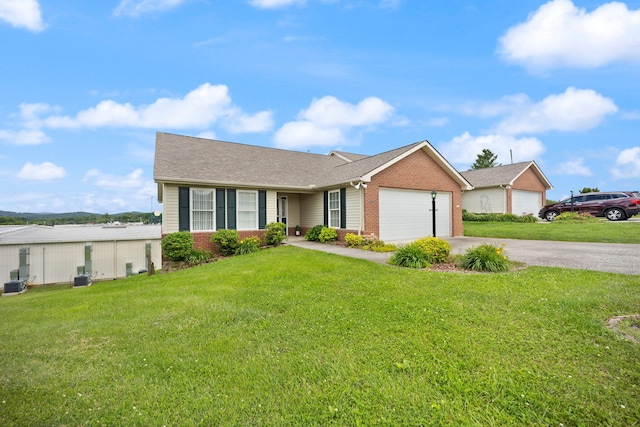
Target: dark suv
[(614, 205)]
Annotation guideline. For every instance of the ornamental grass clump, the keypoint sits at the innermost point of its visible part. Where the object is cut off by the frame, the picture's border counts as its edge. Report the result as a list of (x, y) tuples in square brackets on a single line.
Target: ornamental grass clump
[(248, 246), (486, 257), (411, 255)]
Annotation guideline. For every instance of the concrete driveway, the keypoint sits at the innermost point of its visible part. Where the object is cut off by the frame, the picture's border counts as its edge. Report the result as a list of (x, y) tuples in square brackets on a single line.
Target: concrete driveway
[(608, 257)]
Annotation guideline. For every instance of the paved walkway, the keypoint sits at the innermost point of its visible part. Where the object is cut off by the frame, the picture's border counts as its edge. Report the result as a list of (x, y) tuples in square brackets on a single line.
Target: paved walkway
[(607, 257)]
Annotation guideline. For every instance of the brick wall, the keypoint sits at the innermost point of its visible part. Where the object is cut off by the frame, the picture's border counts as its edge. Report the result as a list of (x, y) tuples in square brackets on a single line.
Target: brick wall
[(203, 240), (418, 171)]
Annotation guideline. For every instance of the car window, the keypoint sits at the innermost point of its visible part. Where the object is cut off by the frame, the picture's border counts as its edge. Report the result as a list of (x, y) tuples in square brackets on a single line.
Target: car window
[(596, 197)]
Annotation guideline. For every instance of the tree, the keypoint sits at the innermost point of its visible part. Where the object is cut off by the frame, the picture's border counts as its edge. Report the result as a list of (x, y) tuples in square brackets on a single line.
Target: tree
[(486, 159), (589, 190)]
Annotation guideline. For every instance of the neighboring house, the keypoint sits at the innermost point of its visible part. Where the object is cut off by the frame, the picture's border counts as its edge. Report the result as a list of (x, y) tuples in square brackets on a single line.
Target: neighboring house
[(519, 188), (206, 185), (45, 255)]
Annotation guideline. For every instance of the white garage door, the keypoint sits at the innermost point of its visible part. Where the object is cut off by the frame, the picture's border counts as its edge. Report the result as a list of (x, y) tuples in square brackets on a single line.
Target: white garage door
[(407, 215), (526, 202)]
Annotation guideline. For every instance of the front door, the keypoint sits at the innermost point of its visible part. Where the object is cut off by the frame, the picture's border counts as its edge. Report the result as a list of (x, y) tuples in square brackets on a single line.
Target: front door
[(282, 212)]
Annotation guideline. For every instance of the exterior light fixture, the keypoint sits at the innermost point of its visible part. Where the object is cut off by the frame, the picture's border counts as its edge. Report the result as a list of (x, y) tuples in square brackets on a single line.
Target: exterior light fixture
[(433, 211)]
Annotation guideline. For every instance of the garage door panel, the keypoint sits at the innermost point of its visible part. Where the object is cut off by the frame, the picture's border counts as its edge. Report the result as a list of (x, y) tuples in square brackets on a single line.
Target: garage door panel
[(407, 215), (526, 202)]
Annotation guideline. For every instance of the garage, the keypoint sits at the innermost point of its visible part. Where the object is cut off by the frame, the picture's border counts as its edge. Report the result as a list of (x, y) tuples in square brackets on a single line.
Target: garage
[(526, 202), (406, 214)]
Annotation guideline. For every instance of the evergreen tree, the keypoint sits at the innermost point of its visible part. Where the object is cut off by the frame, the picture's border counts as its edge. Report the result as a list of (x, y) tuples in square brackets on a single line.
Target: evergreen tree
[(589, 190), (486, 159)]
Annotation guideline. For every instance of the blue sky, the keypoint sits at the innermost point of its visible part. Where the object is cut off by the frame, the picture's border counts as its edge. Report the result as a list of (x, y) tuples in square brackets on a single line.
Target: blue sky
[(84, 86)]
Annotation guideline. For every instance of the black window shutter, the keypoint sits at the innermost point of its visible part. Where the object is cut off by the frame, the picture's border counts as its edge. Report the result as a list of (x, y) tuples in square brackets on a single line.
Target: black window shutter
[(231, 209), (343, 208), (326, 208), (183, 209), (220, 209), (262, 209)]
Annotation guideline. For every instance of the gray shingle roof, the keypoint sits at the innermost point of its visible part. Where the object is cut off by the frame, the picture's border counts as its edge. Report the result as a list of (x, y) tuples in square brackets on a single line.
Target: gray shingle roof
[(185, 159), (502, 175), (19, 235)]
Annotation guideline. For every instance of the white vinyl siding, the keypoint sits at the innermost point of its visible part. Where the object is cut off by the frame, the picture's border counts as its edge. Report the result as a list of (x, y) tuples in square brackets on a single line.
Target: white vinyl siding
[(170, 209), (311, 209), (247, 210), (485, 200), (202, 209), (271, 206), (334, 209), (354, 211)]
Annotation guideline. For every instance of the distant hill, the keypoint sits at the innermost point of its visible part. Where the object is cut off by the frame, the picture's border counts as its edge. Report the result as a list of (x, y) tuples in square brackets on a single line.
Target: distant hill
[(9, 217), (32, 216)]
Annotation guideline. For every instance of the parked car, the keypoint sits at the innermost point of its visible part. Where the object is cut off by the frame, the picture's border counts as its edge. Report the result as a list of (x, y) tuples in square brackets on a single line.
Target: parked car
[(614, 205)]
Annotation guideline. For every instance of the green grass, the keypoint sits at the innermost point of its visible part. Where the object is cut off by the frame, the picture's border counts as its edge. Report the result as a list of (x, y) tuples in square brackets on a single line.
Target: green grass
[(568, 231), (288, 336)]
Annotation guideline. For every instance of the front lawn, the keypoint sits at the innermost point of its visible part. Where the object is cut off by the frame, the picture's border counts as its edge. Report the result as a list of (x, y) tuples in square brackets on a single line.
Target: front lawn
[(601, 231), (288, 336)]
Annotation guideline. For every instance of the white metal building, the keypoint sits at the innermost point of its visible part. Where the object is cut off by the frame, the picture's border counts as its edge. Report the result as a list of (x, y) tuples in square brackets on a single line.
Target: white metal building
[(46, 255)]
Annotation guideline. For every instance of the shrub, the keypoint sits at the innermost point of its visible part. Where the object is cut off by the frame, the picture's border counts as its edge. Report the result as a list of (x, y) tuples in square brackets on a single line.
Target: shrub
[(198, 256), (313, 234), (248, 246), (486, 257), (275, 234), (354, 240), (379, 246), (495, 217), (411, 255), (177, 246), (575, 216), (226, 241), (437, 250), (328, 234)]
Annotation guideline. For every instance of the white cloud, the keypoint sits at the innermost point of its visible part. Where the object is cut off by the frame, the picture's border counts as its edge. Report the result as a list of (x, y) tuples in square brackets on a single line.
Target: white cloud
[(329, 122), (574, 167), (200, 108), (506, 105), (24, 137), (559, 34), (43, 172), (464, 149), (140, 7), (242, 123), (573, 110), (627, 164), (132, 180), (22, 13), (274, 4)]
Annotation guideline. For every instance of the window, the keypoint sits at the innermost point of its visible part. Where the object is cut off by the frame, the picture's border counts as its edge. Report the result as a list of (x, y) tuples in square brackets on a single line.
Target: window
[(202, 212), (247, 210), (334, 209)]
